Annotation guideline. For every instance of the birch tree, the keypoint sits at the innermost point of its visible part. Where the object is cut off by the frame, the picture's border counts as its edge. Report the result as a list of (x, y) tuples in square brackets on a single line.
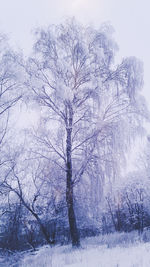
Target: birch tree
[(83, 96)]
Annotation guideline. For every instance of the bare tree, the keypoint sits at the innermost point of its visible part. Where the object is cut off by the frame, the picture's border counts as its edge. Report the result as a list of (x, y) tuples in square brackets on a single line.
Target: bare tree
[(25, 180), (73, 78), (10, 94)]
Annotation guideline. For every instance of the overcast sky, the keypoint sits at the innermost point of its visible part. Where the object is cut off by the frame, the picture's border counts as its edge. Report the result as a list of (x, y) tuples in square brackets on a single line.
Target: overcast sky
[(130, 19)]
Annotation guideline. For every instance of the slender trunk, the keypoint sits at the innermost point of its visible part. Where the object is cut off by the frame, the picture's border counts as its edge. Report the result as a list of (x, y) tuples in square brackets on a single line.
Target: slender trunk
[(112, 215), (69, 186), (42, 227)]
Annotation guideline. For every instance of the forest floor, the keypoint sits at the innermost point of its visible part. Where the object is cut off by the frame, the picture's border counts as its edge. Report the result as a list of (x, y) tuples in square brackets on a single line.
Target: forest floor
[(115, 250)]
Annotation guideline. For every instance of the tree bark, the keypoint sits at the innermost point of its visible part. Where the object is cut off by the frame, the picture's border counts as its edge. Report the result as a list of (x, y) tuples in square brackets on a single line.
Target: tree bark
[(69, 186)]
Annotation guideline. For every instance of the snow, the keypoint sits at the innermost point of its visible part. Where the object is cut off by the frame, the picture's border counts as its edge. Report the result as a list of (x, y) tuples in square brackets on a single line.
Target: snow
[(91, 254)]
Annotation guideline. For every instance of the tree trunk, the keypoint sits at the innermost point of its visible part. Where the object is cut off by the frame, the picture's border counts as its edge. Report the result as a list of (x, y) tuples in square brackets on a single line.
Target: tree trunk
[(42, 227), (69, 186)]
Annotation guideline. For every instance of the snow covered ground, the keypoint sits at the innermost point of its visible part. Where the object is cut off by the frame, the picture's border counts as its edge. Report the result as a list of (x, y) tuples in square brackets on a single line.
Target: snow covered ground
[(92, 254)]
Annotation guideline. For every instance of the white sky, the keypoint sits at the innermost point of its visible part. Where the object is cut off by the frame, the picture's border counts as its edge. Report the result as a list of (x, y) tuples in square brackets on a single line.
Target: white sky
[(130, 19)]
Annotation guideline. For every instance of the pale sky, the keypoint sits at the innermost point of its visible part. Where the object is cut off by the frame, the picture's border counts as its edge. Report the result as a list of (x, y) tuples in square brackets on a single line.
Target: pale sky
[(130, 19)]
